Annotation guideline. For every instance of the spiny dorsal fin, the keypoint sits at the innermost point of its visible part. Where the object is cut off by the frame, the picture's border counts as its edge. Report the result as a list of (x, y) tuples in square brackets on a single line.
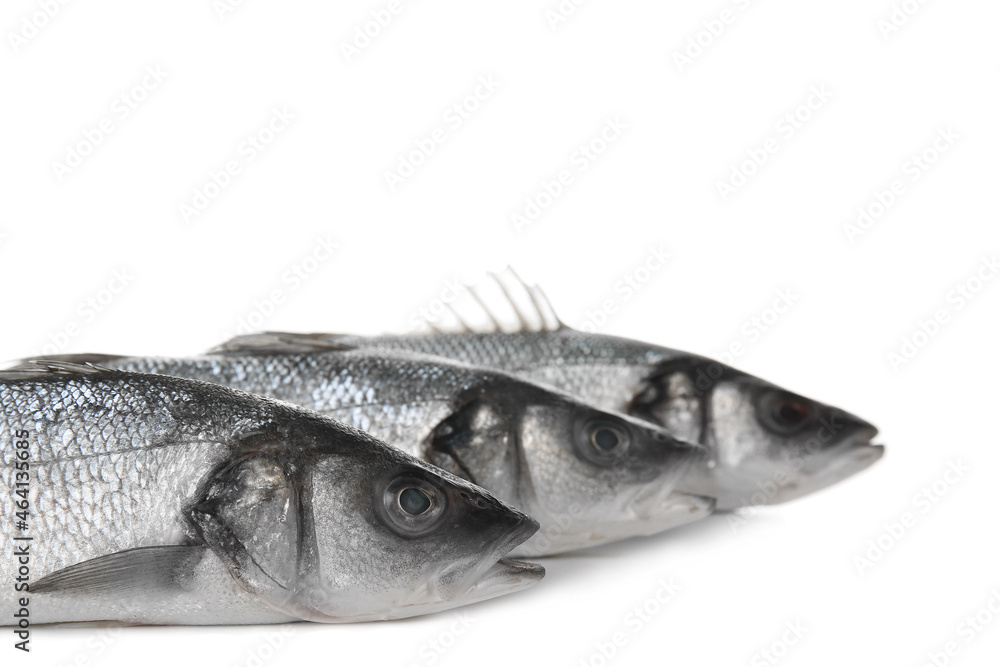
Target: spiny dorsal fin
[(48, 367), (511, 299), (280, 342)]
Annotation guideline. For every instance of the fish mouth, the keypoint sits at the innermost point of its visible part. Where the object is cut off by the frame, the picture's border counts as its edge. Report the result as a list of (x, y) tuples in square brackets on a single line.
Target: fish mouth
[(645, 514), (459, 584), (836, 464), (504, 576), (494, 574), (860, 449), (499, 578)]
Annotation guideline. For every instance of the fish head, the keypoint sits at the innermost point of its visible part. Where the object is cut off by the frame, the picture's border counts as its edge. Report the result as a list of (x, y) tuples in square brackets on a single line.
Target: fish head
[(768, 445), (357, 530), (589, 476)]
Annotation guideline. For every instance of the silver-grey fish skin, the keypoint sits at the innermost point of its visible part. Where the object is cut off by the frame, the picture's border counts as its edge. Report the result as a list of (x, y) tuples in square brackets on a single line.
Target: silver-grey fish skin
[(757, 457), (228, 488), (524, 443)]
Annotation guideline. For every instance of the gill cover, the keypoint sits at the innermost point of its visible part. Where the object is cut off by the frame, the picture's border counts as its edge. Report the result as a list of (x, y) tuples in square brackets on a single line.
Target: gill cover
[(479, 442), (251, 514)]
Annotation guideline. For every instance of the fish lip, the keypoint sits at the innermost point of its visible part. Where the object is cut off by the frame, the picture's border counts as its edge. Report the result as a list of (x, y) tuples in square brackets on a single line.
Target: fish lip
[(870, 451), (864, 439), (502, 576), (678, 508), (511, 568), (507, 575), (856, 453)]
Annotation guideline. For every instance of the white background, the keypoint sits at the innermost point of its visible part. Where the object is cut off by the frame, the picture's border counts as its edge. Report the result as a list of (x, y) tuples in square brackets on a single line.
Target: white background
[(191, 282)]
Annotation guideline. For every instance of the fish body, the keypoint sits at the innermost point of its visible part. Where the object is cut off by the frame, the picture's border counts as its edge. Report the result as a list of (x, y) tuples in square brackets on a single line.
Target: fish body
[(588, 476), (766, 445), (161, 500)]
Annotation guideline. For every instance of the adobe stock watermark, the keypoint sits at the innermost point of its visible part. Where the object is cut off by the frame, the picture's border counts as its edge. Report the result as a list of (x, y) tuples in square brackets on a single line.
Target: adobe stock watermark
[(912, 170), (711, 30), (633, 622), (561, 12), (786, 127), (86, 312), (437, 308), (454, 117), (793, 633), (966, 632), (625, 288), (31, 25), (223, 8), (434, 648), (247, 151), (899, 15), (580, 160), (77, 152), (100, 640), (291, 281), (274, 639), (754, 327), (365, 34), (922, 502), (956, 299)]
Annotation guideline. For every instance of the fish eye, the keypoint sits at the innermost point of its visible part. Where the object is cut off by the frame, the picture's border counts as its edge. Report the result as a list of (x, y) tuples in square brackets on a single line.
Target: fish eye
[(412, 506), (413, 501), (603, 441), (784, 413), (605, 438)]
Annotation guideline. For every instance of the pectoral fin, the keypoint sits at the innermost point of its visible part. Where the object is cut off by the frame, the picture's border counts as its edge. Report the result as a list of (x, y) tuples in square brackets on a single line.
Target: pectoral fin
[(145, 569)]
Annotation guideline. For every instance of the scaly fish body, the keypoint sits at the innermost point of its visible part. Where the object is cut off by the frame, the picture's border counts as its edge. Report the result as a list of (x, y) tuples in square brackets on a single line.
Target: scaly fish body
[(588, 476), (767, 445), (153, 499)]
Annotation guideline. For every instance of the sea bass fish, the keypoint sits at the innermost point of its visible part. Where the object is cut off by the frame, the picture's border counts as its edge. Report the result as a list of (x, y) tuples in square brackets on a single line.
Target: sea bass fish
[(767, 445), (587, 475), (158, 500)]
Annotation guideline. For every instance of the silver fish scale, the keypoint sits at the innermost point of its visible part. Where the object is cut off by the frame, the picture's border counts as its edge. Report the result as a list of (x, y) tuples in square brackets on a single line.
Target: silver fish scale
[(109, 471), (395, 401), (515, 351), (598, 370)]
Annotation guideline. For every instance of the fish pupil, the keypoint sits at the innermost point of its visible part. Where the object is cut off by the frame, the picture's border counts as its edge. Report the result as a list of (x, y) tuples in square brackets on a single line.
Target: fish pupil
[(414, 501), (792, 413), (605, 439)]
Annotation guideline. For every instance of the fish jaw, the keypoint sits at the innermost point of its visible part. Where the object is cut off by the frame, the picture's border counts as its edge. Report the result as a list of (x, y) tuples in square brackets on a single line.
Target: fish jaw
[(501, 578), (450, 584), (648, 515), (842, 462), (767, 482)]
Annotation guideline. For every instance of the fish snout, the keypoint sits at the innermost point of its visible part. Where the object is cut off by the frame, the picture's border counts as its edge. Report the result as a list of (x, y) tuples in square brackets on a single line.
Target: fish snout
[(516, 528), (847, 427), (503, 526)]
